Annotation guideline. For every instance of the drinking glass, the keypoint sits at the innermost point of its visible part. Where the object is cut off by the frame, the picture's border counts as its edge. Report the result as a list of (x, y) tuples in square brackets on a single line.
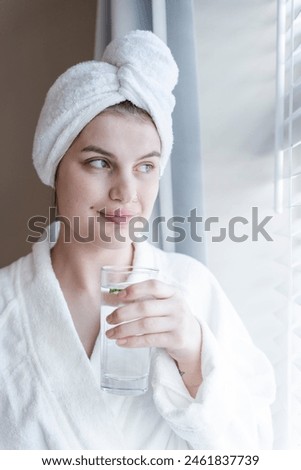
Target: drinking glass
[(124, 371)]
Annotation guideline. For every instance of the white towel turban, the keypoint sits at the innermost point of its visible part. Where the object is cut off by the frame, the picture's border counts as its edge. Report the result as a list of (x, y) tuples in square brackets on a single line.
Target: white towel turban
[(138, 67)]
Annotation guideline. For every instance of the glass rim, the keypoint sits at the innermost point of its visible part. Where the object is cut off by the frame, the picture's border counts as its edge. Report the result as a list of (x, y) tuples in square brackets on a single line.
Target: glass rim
[(128, 269)]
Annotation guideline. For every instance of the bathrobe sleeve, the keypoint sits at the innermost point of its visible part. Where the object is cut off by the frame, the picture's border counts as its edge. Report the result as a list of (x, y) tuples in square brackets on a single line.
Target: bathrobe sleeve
[(232, 406)]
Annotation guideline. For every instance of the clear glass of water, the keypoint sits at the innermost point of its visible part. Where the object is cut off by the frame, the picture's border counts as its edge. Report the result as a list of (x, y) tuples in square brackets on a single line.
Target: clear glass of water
[(124, 371)]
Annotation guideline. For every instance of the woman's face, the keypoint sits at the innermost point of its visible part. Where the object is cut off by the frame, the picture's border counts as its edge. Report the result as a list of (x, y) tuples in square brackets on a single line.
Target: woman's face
[(109, 175)]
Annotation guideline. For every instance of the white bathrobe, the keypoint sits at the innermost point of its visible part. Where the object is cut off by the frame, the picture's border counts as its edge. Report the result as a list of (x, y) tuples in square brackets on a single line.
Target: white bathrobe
[(49, 389)]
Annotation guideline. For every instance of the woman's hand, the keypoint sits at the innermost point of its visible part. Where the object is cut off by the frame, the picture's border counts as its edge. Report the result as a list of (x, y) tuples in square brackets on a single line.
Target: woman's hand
[(157, 315)]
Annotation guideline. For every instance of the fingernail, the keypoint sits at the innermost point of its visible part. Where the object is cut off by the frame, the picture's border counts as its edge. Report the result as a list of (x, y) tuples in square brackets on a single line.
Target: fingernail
[(109, 319)]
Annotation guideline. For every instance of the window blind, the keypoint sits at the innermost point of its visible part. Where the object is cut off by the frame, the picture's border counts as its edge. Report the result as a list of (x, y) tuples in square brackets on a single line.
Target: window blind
[(288, 199)]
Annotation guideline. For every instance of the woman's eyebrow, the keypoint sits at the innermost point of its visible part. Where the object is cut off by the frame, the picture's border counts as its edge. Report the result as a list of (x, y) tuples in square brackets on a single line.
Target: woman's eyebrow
[(94, 148)]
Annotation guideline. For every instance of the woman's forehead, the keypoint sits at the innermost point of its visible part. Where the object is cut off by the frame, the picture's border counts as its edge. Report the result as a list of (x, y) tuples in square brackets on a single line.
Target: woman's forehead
[(116, 136), (113, 128)]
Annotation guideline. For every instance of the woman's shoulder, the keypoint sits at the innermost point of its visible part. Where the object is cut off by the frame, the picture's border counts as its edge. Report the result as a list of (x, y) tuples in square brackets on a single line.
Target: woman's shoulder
[(9, 272), (10, 277), (195, 280), (189, 274), (181, 264), (12, 332)]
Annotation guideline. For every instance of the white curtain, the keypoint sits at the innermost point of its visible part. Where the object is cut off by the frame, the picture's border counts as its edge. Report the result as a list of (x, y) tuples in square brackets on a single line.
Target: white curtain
[(180, 188)]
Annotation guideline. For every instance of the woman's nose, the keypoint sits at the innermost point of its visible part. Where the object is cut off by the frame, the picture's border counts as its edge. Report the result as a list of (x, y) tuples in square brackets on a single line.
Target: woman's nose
[(124, 189)]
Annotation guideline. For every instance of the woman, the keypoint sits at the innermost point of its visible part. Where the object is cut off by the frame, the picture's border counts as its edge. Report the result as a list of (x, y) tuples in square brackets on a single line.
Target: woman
[(102, 141)]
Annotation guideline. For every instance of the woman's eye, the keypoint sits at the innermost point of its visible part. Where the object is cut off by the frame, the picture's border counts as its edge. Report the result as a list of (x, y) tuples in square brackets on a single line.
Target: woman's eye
[(98, 163), (146, 167)]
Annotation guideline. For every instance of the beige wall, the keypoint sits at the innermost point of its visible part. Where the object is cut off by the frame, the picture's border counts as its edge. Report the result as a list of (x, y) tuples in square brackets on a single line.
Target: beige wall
[(39, 39)]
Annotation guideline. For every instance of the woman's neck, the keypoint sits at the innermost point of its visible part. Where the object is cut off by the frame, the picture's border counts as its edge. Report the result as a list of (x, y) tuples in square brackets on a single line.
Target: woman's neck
[(78, 265)]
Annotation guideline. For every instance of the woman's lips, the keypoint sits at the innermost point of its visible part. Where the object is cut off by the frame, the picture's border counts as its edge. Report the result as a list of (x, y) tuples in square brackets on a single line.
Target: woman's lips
[(117, 218)]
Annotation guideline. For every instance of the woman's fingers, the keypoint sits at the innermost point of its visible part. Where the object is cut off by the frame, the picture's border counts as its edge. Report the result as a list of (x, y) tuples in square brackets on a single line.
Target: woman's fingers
[(158, 340), (146, 290), (138, 309), (155, 314), (142, 326)]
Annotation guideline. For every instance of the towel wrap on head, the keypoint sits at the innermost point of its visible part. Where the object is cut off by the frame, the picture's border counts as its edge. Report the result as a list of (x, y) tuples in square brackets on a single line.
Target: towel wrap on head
[(138, 67)]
